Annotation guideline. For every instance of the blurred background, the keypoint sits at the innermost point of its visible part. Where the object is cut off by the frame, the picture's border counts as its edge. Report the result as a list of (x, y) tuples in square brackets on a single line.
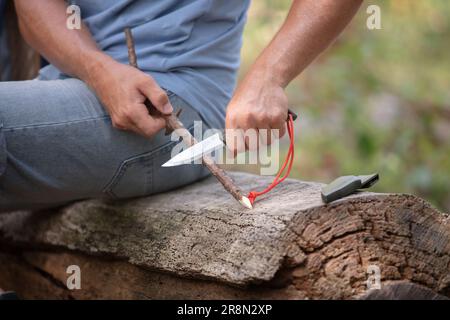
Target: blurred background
[(376, 101)]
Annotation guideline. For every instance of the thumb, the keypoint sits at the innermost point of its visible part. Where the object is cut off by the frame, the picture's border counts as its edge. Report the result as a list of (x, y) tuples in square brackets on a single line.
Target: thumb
[(156, 95)]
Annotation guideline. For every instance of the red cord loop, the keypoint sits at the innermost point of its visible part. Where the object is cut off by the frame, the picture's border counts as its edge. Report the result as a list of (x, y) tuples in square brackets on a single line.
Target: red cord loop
[(252, 196), (287, 163)]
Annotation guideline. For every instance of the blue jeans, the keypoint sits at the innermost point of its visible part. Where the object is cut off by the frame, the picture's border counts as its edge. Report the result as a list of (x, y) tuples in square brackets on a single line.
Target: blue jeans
[(57, 145)]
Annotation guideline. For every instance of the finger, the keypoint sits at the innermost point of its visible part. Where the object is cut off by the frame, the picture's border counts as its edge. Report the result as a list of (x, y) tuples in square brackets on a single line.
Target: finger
[(235, 141), (265, 136), (156, 95), (278, 124), (281, 131), (250, 132), (252, 139), (145, 124)]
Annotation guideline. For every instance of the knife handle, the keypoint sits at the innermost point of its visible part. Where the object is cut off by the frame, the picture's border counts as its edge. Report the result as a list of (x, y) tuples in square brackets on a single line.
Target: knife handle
[(293, 114)]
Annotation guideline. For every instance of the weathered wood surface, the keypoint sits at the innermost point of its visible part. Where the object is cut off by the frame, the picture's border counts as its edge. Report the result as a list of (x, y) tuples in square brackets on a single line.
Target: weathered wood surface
[(403, 290), (197, 242)]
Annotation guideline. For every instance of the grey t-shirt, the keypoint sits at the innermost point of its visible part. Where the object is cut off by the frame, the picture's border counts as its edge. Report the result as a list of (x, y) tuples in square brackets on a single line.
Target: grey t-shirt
[(190, 47)]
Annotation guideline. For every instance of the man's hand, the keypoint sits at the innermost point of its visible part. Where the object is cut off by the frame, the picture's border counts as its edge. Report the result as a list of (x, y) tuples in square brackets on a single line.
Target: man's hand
[(123, 90), (259, 103)]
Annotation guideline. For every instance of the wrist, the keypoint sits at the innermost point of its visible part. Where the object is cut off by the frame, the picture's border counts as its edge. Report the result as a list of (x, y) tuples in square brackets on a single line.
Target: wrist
[(268, 74), (97, 65)]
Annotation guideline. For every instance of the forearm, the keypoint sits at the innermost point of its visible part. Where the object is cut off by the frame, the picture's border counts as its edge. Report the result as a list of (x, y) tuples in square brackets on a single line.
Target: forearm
[(259, 101), (311, 26), (43, 25), (122, 89)]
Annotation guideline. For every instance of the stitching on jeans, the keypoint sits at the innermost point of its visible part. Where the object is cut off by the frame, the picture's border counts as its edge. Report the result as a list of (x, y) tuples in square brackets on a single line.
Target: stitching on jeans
[(146, 158), (82, 96), (52, 124), (170, 94), (126, 164)]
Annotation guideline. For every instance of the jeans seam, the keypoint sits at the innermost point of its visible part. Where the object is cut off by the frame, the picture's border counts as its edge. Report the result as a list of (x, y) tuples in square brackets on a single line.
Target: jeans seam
[(52, 124), (170, 94), (124, 166), (148, 165), (81, 95)]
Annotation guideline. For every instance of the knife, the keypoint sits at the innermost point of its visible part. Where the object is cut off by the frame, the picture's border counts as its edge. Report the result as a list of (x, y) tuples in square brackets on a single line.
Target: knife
[(203, 147)]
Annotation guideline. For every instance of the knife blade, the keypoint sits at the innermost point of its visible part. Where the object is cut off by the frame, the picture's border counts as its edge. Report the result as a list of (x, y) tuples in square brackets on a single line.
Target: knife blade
[(196, 152)]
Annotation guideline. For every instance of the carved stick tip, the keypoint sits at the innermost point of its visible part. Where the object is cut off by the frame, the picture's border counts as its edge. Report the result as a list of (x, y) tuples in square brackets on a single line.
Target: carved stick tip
[(246, 202)]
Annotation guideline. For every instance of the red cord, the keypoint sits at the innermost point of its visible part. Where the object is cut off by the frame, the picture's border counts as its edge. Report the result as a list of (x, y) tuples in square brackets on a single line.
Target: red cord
[(287, 162)]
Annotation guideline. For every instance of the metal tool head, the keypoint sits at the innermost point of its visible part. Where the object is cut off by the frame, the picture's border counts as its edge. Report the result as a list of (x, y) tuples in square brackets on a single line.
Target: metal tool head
[(196, 151), (339, 188), (346, 185)]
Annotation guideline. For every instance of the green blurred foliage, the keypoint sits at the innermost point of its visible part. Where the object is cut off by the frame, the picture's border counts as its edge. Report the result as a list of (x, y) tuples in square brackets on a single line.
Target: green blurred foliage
[(376, 101)]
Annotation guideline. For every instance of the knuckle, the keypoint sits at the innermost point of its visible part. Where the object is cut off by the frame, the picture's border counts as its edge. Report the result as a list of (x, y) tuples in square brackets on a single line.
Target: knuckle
[(231, 119), (264, 117), (127, 114), (277, 119), (146, 80), (247, 117), (131, 112), (280, 115)]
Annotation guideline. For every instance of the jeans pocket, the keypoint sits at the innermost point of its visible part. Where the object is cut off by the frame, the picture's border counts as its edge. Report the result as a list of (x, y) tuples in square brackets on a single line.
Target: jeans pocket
[(134, 177)]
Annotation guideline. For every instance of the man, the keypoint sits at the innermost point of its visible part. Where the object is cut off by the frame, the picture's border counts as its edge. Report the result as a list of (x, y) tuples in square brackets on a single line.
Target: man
[(82, 131)]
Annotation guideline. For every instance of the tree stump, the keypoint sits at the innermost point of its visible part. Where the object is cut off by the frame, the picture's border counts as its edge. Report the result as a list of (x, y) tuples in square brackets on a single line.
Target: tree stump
[(198, 243)]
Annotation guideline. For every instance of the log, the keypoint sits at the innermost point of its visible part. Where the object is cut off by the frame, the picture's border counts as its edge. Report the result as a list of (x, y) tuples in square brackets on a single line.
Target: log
[(197, 242)]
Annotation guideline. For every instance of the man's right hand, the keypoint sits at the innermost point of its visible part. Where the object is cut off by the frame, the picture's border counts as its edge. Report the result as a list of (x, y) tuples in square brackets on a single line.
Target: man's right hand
[(123, 90)]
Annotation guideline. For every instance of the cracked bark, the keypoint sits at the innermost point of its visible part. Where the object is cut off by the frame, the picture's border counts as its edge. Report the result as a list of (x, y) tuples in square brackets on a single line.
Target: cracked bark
[(290, 246)]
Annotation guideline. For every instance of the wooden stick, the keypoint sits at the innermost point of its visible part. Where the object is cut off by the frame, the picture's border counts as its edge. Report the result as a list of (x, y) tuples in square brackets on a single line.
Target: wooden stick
[(174, 124), (131, 51)]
